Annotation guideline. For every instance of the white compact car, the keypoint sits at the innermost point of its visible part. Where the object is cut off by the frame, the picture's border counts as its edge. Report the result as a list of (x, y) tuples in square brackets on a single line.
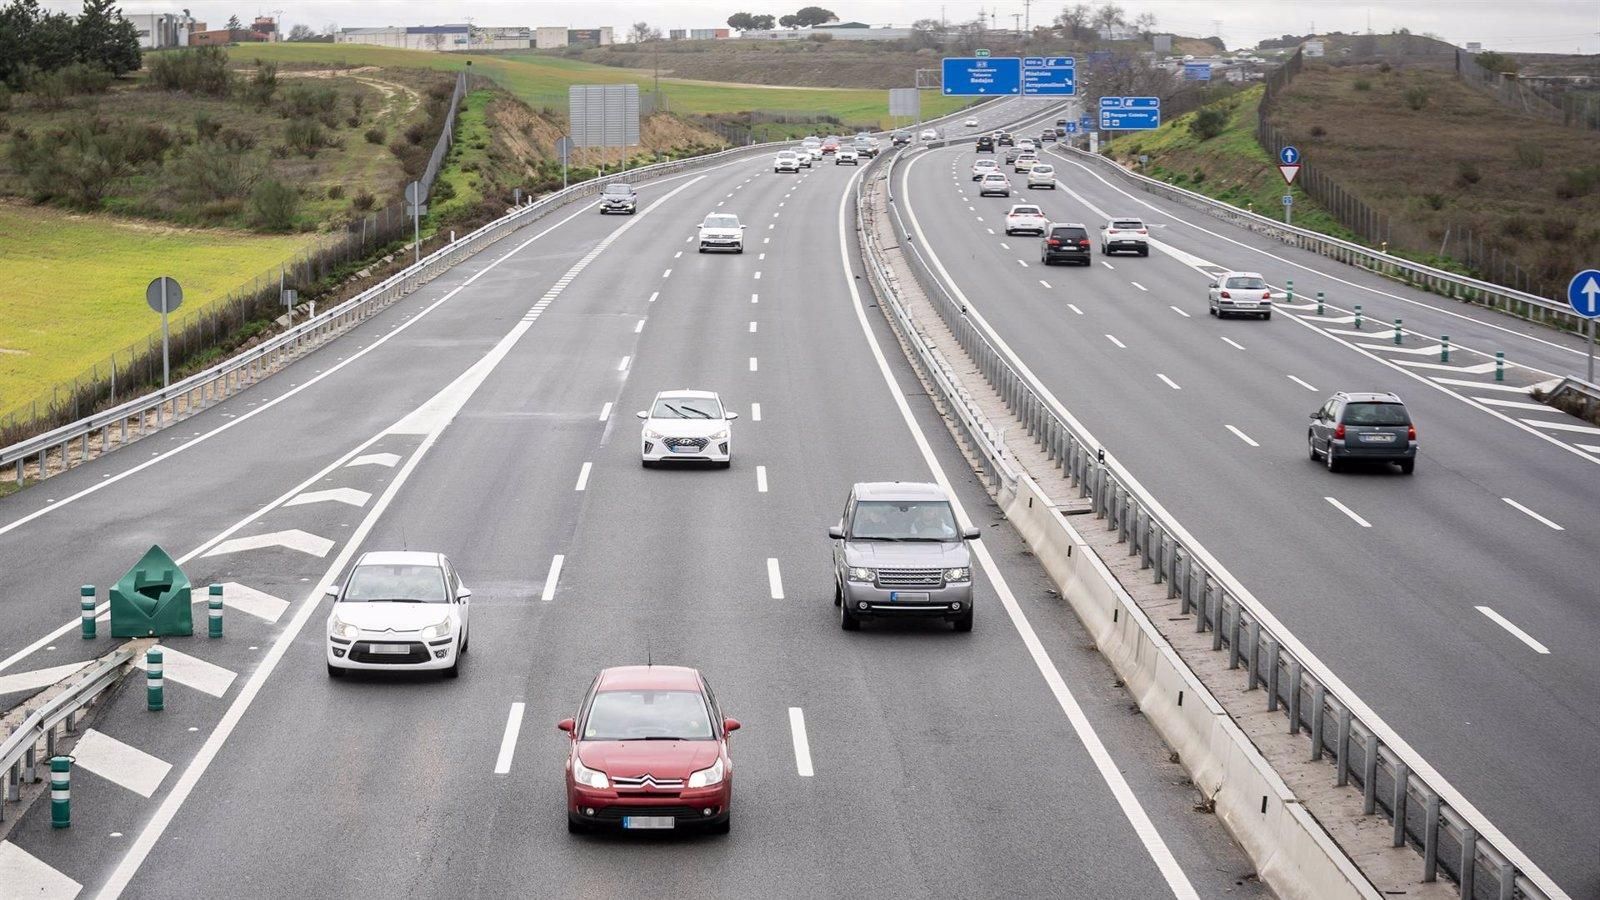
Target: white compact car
[(721, 231), (1025, 161), (994, 183), (1026, 219), (1125, 233), (399, 610), (971, 123), (1240, 293), (928, 134), (786, 161), (805, 158), (846, 155), (983, 167), (686, 426), (1042, 175), (1027, 146)]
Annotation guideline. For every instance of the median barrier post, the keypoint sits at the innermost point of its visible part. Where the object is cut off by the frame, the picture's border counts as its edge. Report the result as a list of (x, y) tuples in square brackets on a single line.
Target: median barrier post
[(1399, 334), (1358, 317), (1444, 348), (1402, 780), (1288, 286), (1369, 777), (1430, 840), (153, 681), (1319, 303), (86, 606), (1499, 365), (214, 610), (61, 792)]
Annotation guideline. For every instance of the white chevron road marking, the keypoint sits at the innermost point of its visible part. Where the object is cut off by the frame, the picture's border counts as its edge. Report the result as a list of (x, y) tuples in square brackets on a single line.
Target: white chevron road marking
[(293, 539)]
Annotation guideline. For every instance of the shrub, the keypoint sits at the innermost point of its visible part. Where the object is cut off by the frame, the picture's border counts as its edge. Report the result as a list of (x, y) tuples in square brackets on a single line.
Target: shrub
[(214, 172), (1416, 96), (1361, 84), (303, 101), (364, 201), (358, 102), (264, 83), (304, 136), (1530, 154), (205, 126), (1435, 202), (1198, 176), (416, 133), (5, 99), (376, 135), (441, 90), (1556, 230), (235, 140), (1578, 182), (273, 205), (198, 70), (1517, 227), (329, 120), (1208, 123), (1318, 131), (1385, 68), (49, 90), (821, 38), (1467, 173), (353, 121), (336, 192), (83, 78)]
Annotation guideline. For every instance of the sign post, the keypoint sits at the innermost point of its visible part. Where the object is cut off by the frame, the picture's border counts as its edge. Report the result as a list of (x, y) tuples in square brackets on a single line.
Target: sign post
[(1049, 76), (1583, 292), (164, 296), (1289, 164), (1288, 207), (564, 148), (414, 204)]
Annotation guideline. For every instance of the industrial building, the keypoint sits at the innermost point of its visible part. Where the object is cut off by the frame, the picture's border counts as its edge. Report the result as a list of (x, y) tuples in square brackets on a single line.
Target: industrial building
[(699, 34), (555, 37), (158, 31), (440, 38)]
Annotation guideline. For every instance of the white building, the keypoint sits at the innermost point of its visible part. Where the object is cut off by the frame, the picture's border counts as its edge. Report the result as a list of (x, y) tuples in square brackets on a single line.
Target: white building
[(158, 31), (459, 38)]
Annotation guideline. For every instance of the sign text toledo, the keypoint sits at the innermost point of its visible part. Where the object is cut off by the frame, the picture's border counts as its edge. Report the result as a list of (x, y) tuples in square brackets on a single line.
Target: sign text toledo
[(997, 76)]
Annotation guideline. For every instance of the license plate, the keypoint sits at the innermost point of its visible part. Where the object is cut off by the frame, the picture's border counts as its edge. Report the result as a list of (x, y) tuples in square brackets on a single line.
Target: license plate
[(907, 597), (685, 450), (1378, 438), (646, 822), (395, 649)]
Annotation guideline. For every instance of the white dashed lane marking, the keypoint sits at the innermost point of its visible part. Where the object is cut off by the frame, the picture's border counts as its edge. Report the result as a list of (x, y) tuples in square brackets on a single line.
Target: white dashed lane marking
[(1349, 512), (1531, 514), (1242, 436), (552, 578), (1516, 632), (583, 476)]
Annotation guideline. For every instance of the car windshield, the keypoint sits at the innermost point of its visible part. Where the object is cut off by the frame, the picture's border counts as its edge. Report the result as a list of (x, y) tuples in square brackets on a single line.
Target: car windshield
[(720, 222), (984, 164), (786, 153), (371, 583), (686, 408), (1069, 233), (1376, 414), (1026, 211), (615, 189), (1127, 225), (995, 177), (1043, 169), (904, 520), (648, 716), (1247, 282)]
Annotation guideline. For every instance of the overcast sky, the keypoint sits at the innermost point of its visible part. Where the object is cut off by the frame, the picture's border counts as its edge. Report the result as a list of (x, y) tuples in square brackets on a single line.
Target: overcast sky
[(1558, 26)]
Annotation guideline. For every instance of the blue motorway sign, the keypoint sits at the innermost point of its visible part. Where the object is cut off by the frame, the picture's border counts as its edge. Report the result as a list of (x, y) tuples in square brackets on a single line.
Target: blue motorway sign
[(1197, 71), (1049, 76), (972, 77), (1289, 156), (1085, 123), (1071, 127), (1130, 113), (1583, 292)]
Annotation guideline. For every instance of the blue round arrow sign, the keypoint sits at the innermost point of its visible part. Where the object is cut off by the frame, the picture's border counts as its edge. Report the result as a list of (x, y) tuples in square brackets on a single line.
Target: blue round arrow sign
[(1583, 292), (1289, 156)]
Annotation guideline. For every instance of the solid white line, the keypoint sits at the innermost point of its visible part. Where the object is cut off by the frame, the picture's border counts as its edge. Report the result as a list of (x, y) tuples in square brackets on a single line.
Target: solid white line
[(508, 741), (1151, 839), (583, 476), (1140, 286), (1516, 632), (774, 579), (638, 327), (1347, 511), (761, 479), (1074, 308), (1180, 312), (1170, 383), (552, 578), (755, 412), (802, 744), (1518, 506), (752, 364), (1045, 283), (1242, 436), (1235, 344), (1302, 383), (752, 328), (1113, 339), (605, 411)]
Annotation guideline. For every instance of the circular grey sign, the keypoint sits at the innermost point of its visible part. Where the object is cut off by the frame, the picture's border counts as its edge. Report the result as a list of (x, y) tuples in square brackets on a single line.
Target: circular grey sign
[(174, 294), (564, 147), (411, 192)]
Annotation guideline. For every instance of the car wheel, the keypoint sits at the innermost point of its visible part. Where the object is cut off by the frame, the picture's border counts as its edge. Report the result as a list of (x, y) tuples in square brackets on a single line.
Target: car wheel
[(964, 623), (1407, 466), (574, 827), (702, 250), (838, 593), (739, 249), (723, 827), (725, 464), (1311, 446), (334, 671), (1266, 317), (1144, 251), (1333, 462), (455, 668), (847, 619)]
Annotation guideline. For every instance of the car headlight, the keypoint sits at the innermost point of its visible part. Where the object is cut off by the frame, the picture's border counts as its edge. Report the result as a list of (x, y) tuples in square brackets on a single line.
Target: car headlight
[(434, 632), (721, 435), (707, 777), (959, 573), (588, 777), (342, 629), (650, 434), (858, 573)]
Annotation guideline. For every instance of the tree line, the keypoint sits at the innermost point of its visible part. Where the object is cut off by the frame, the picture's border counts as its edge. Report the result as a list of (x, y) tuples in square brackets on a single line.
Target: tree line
[(805, 17), (35, 42)]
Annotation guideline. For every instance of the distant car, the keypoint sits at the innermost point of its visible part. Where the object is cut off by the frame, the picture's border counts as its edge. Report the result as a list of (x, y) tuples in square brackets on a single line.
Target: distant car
[(1048, 135), (805, 158), (721, 231), (983, 167), (994, 183), (1025, 161), (970, 123), (928, 134), (865, 147), (786, 161), (846, 155), (900, 138), (1362, 426), (649, 751), (830, 146), (1006, 139), (1026, 146), (898, 551), (686, 426), (619, 198), (1065, 242), (399, 610), (1241, 293), (1061, 123), (1012, 153), (1124, 234), (985, 144), (1042, 175), (1026, 218)]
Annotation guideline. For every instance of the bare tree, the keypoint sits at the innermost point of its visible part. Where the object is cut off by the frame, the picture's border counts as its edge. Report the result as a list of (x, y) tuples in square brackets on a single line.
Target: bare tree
[(1073, 21), (1126, 75), (436, 42), (1108, 15), (927, 33), (1146, 23), (639, 32), (301, 32)]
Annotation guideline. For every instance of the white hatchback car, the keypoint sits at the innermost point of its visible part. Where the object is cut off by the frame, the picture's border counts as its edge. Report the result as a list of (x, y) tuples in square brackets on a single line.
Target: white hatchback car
[(928, 134), (983, 167), (721, 231), (399, 610), (971, 123), (686, 426), (1042, 175), (1025, 161), (994, 183), (786, 161), (1025, 218), (1240, 293)]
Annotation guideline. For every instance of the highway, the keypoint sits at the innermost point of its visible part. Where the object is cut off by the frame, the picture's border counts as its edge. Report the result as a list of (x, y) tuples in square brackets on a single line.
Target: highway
[(1456, 602), (489, 416)]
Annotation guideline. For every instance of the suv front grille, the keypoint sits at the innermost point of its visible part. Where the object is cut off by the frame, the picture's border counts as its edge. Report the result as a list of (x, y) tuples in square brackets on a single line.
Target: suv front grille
[(696, 444), (362, 653), (641, 782), (911, 578)]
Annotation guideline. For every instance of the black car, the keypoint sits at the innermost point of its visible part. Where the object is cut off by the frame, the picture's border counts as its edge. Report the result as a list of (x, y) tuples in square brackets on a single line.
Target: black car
[(1006, 139), (619, 198), (1049, 134), (1064, 241), (1358, 426), (986, 144), (901, 138)]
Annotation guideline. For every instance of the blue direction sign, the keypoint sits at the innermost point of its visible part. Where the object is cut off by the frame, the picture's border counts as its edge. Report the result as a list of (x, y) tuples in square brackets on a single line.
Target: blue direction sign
[(1197, 71), (1049, 76), (1085, 123), (1288, 199), (1289, 156), (1130, 113), (973, 77), (1071, 127), (1583, 292)]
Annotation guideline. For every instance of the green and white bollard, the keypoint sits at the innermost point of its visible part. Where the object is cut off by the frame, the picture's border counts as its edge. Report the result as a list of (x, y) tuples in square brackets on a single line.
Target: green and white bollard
[(86, 609), (214, 610), (1399, 333), (1358, 317), (1444, 348), (1499, 365), (1288, 289), (153, 682), (1319, 303), (60, 792)]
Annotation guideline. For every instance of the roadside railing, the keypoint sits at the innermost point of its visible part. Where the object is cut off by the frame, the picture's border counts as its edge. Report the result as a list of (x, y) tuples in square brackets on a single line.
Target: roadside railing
[(1513, 302), (1425, 810), (19, 754)]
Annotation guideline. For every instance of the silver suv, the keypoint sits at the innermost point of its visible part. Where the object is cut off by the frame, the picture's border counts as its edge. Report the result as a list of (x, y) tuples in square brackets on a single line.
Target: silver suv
[(1355, 427), (899, 551)]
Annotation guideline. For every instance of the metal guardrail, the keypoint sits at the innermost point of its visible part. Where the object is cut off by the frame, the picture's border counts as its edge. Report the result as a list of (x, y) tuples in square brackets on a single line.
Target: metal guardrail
[(19, 754), (1521, 304), (1426, 812)]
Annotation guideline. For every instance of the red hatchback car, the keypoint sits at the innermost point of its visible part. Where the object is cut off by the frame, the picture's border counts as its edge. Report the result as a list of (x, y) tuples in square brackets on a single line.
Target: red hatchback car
[(649, 751)]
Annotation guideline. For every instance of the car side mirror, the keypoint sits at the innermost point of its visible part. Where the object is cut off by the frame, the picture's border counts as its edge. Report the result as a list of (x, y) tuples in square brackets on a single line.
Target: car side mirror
[(743, 227), (971, 534), (1213, 284), (729, 726), (730, 415), (464, 595), (1102, 228), (836, 532), (332, 592), (567, 725), (642, 414)]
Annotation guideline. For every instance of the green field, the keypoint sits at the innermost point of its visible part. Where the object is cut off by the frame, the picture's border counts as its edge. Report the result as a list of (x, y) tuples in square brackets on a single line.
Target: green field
[(77, 294), (542, 81)]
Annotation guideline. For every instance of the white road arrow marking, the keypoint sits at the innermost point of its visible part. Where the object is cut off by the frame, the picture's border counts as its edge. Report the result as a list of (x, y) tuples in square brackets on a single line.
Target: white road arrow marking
[(375, 459), (249, 600), (293, 539), (335, 495)]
